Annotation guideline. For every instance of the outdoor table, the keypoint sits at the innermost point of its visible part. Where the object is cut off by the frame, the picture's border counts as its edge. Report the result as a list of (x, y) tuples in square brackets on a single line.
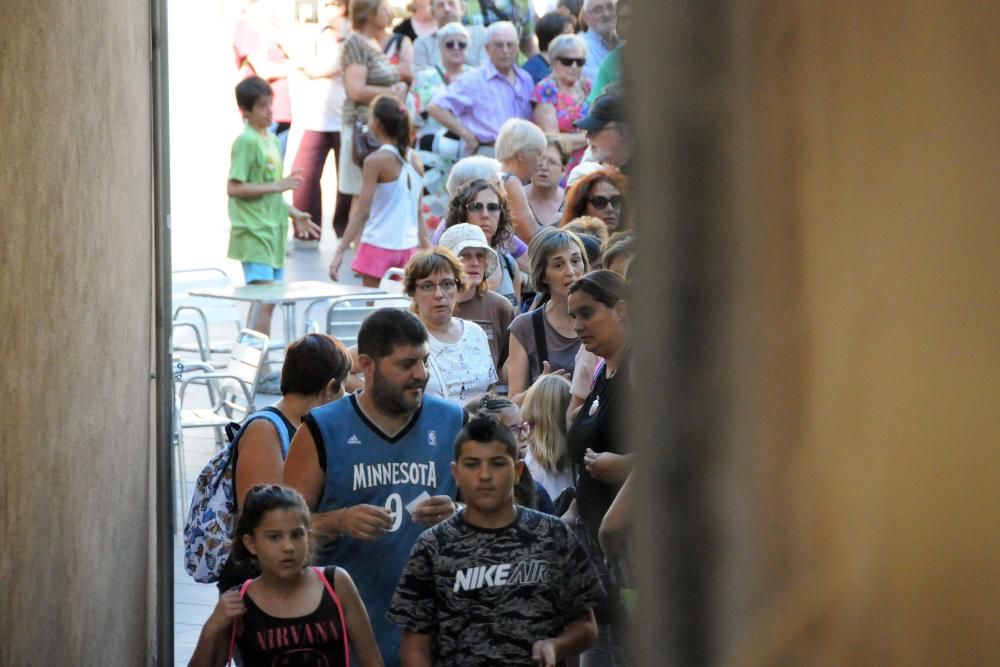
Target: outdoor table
[(287, 294)]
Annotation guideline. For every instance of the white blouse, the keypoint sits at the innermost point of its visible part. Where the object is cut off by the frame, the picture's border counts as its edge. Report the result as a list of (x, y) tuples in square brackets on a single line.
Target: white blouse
[(463, 369)]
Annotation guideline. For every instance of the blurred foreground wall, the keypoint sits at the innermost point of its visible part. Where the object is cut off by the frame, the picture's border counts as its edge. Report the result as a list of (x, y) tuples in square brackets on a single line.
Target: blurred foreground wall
[(822, 440), (76, 288)]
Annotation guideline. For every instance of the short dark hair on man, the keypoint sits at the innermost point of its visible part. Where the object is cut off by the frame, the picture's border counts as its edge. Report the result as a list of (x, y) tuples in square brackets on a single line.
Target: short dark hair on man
[(311, 362), (386, 328), (549, 27), (251, 89), (485, 428)]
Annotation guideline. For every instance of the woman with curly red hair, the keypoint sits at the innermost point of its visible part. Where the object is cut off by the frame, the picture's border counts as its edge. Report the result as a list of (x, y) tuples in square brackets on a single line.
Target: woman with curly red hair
[(600, 194)]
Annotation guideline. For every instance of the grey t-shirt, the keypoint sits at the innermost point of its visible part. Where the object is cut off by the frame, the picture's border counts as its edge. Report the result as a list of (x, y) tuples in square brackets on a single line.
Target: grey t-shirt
[(494, 314), (562, 350), (486, 595)]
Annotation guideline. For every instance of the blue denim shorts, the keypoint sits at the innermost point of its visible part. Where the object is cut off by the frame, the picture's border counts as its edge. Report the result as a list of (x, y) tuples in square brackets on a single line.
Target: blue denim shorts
[(253, 271)]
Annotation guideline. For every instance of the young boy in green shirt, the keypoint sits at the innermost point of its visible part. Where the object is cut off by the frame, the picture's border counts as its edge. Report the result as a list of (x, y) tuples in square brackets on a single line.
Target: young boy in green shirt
[(257, 211)]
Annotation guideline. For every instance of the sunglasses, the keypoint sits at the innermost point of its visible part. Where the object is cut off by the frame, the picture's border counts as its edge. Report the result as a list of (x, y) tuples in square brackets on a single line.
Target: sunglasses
[(569, 62), (478, 206), (455, 45), (601, 202)]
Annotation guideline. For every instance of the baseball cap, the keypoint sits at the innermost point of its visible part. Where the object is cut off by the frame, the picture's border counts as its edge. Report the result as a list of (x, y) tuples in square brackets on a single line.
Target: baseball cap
[(605, 109), (464, 235)]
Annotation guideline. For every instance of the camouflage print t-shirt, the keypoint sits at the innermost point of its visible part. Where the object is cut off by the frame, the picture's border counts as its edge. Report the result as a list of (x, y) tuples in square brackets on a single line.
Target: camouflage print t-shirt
[(486, 595)]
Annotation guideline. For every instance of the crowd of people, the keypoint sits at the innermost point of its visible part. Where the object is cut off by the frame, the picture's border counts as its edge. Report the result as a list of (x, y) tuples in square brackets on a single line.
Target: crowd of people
[(456, 475)]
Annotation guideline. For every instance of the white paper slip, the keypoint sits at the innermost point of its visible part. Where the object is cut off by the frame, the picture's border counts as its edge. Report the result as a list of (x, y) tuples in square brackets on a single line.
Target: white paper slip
[(412, 505)]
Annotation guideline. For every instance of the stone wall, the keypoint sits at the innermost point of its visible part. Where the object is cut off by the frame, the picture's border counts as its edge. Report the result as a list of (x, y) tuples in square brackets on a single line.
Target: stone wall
[(76, 269)]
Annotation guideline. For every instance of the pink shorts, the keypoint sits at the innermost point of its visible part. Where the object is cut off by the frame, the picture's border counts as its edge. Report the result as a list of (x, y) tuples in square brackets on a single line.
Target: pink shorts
[(373, 261)]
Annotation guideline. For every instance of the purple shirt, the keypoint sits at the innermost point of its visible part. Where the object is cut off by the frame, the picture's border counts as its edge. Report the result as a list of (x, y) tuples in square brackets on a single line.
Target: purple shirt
[(484, 99)]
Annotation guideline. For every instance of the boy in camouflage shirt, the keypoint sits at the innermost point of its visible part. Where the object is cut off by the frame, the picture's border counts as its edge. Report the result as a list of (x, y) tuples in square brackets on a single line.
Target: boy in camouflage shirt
[(496, 583)]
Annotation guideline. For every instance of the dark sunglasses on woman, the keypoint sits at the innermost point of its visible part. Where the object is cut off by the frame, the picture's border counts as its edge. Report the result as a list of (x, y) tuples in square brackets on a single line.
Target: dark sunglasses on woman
[(601, 202), (455, 45), (569, 62), (478, 206)]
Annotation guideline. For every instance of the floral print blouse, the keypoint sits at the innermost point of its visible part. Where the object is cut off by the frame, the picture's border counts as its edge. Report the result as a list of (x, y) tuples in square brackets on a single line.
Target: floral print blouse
[(567, 108)]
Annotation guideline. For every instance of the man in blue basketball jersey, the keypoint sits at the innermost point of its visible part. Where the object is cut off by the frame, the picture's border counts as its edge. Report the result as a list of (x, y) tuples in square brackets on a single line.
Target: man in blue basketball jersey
[(375, 466)]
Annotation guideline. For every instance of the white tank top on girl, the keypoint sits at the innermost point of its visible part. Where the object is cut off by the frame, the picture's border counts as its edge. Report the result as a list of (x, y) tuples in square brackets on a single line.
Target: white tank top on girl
[(392, 223)]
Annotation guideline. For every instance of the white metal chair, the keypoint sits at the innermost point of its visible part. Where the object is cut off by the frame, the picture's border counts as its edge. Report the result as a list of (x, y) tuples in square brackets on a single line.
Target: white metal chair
[(345, 314), (231, 393), (202, 313), (392, 281)]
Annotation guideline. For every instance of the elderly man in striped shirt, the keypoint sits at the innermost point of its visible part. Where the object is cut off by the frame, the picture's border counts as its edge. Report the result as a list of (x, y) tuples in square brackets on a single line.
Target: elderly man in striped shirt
[(475, 105)]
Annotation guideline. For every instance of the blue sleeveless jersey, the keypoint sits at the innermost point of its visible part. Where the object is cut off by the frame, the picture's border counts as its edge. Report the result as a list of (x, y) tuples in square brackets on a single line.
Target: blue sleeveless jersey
[(363, 467)]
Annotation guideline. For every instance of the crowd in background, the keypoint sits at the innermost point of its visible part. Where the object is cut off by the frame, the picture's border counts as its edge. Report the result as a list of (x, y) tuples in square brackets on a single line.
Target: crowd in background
[(482, 147)]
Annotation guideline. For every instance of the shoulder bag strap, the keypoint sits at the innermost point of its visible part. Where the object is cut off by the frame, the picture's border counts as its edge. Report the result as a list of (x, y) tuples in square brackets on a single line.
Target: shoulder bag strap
[(541, 345), (232, 635), (340, 612)]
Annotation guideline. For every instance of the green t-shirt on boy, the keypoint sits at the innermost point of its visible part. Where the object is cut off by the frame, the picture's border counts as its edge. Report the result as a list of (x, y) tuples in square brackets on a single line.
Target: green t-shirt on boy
[(259, 225)]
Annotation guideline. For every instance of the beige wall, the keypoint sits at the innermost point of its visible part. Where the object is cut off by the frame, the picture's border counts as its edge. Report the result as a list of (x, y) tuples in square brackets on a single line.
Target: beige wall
[(824, 445), (75, 336)]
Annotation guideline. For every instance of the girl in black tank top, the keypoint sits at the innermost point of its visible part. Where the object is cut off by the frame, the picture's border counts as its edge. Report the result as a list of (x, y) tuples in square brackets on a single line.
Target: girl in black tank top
[(291, 614)]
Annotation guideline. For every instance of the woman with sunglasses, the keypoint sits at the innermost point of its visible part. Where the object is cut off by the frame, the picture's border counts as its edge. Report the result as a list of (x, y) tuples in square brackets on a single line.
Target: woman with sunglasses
[(600, 194), (482, 203), (433, 140), (561, 97), (460, 365)]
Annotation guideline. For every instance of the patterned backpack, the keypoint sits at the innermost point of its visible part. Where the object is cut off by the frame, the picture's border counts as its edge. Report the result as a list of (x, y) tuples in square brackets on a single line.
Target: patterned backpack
[(212, 519)]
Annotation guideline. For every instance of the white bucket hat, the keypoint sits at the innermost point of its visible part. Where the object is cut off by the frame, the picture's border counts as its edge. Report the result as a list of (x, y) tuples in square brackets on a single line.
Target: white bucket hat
[(461, 236)]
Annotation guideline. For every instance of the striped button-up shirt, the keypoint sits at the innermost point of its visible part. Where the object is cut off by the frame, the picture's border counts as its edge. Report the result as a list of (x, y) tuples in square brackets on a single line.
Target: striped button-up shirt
[(484, 99)]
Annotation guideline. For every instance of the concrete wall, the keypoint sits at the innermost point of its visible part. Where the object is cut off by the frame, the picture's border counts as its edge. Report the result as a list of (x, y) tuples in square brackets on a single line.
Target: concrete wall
[(75, 335), (822, 440)]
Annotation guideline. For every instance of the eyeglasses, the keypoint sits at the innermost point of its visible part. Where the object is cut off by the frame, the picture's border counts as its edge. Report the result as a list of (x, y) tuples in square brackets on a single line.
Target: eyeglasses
[(429, 286), (478, 206), (510, 46), (455, 45), (569, 62), (601, 202)]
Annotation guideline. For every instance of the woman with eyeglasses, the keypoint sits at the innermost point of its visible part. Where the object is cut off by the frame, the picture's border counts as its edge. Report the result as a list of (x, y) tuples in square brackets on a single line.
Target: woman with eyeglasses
[(439, 148), (561, 98), (482, 203), (544, 194), (600, 194), (460, 366)]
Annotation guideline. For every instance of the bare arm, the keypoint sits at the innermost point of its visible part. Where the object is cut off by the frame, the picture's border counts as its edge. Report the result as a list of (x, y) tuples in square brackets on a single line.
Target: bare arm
[(361, 92), (578, 635), (415, 649), (405, 65), (360, 208), (242, 190), (545, 118), (302, 473), (212, 649), (517, 371), (424, 239), (450, 121), (359, 627), (525, 225), (615, 522), (259, 461)]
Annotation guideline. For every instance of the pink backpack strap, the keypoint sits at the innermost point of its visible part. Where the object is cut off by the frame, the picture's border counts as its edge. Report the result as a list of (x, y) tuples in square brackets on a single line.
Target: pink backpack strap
[(340, 611), (232, 636)]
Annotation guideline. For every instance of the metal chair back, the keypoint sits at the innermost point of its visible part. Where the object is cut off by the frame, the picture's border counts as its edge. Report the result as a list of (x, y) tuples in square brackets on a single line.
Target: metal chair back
[(346, 313), (216, 320)]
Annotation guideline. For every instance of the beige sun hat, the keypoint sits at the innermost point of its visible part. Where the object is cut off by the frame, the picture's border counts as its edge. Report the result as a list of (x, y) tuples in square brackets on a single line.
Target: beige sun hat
[(461, 236)]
